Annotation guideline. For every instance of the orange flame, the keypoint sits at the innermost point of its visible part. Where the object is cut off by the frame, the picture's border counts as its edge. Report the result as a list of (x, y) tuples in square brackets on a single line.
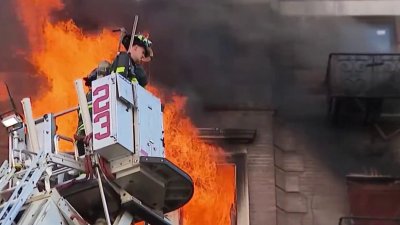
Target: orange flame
[(55, 50), (62, 53), (214, 194)]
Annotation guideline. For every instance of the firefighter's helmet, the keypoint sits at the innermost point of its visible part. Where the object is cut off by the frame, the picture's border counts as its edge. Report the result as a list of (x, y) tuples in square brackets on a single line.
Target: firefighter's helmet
[(141, 40)]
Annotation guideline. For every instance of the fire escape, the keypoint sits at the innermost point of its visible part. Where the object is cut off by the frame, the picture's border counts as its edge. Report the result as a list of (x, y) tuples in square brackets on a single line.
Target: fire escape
[(359, 85), (363, 92)]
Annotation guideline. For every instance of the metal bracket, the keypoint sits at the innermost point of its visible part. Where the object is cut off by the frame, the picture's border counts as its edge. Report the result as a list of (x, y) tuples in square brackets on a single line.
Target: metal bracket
[(66, 160)]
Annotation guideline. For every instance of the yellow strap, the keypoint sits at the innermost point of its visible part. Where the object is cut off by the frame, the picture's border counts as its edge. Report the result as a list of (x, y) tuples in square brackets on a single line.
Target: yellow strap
[(134, 80), (81, 127), (120, 69)]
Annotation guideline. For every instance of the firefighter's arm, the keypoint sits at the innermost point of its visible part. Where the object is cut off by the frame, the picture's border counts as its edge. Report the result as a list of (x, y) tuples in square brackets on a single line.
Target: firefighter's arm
[(91, 77), (141, 75)]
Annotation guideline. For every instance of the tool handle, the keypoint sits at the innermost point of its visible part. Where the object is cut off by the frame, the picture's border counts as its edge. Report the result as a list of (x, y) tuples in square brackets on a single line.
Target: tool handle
[(133, 32)]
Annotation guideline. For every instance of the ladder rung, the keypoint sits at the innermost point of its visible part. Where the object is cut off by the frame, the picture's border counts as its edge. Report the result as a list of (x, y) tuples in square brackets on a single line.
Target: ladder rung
[(10, 189)]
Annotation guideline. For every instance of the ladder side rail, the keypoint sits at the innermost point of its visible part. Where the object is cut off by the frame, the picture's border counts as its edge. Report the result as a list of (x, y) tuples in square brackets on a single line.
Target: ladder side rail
[(5, 174), (67, 161), (69, 213), (23, 190), (6, 179), (3, 168)]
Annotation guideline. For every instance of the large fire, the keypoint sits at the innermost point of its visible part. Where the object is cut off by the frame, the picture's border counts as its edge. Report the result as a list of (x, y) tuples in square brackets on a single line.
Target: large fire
[(61, 52)]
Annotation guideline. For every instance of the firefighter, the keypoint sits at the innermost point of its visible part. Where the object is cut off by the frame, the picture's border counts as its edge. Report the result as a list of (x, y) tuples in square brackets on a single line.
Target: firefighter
[(128, 64), (102, 70)]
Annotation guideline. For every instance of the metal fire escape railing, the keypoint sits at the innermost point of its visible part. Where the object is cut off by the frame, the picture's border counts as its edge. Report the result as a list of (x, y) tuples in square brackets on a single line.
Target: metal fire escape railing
[(359, 220), (364, 80), (363, 75)]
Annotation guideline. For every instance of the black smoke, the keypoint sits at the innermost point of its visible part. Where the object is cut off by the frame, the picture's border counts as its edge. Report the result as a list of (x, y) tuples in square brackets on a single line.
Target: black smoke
[(224, 51), (209, 51)]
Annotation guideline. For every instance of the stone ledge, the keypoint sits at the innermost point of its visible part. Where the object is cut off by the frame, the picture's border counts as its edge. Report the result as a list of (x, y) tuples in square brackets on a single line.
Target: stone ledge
[(291, 202), (287, 181), (289, 161), (339, 8)]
